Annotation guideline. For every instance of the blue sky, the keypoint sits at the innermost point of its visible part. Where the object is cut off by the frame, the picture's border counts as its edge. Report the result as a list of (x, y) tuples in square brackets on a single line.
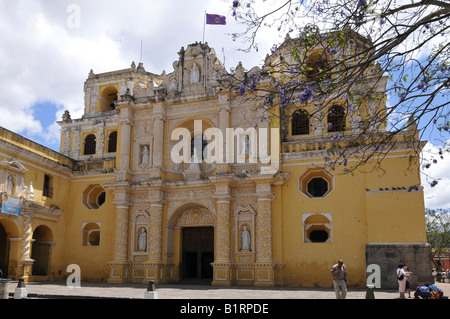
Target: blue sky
[(49, 47)]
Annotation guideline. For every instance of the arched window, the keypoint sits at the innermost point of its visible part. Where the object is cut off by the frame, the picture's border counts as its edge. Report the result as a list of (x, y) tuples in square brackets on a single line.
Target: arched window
[(90, 234), (316, 63), (112, 142), (317, 228), (107, 99), (300, 122), (196, 142), (336, 119), (90, 144)]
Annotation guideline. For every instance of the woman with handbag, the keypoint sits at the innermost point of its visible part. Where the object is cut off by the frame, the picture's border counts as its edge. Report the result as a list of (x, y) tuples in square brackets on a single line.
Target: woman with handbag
[(401, 278)]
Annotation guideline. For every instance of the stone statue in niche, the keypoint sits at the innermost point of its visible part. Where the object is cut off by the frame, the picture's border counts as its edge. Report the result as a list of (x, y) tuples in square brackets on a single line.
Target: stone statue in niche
[(31, 192), (214, 77), (10, 185), (245, 239), (145, 158), (193, 171), (173, 85), (142, 240), (195, 74)]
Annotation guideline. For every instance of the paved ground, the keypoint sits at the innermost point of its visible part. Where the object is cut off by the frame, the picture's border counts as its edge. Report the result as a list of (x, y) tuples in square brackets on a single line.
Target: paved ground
[(59, 290)]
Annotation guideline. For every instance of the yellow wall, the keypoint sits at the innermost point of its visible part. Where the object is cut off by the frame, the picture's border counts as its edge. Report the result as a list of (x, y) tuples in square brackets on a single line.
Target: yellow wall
[(91, 259), (358, 217), (37, 167)]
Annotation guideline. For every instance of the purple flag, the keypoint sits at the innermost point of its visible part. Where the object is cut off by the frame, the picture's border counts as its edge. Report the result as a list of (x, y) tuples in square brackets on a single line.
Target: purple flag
[(215, 19)]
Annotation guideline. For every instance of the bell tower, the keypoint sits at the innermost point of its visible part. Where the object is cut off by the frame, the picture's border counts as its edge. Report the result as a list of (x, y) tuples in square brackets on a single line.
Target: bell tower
[(94, 135)]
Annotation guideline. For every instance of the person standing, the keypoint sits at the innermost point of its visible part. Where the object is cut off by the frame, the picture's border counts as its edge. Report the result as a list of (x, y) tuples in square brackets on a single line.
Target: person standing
[(401, 278), (340, 278), (438, 276), (407, 285)]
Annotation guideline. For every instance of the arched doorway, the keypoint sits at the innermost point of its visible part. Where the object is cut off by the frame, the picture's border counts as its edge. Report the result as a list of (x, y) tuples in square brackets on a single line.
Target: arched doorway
[(4, 252), (40, 250), (193, 227), (9, 235), (197, 252)]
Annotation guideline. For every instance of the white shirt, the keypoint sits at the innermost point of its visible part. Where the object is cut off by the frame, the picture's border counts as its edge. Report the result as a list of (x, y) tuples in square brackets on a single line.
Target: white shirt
[(401, 272)]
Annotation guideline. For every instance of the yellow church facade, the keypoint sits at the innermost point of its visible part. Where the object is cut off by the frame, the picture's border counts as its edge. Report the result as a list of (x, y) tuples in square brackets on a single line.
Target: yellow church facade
[(115, 202)]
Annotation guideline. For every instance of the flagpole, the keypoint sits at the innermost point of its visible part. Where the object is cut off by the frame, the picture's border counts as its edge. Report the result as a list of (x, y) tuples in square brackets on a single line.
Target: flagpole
[(204, 25)]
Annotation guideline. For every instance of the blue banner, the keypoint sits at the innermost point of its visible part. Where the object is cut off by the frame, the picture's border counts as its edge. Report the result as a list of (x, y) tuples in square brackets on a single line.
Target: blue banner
[(11, 204)]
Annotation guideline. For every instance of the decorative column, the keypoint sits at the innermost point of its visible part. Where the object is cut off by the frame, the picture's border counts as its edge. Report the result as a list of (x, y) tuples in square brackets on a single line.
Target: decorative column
[(158, 134), (121, 263), (264, 261), (125, 146), (264, 230), (100, 146), (26, 263), (224, 123), (119, 266), (155, 268), (158, 141), (155, 238), (222, 261), (223, 229), (126, 116), (121, 234)]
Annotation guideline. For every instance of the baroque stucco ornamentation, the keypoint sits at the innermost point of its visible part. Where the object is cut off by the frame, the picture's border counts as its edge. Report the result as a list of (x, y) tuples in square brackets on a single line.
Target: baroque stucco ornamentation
[(121, 234)]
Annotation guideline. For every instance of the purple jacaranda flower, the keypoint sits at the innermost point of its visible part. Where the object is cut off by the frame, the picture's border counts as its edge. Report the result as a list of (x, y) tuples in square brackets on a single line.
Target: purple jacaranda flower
[(242, 89), (362, 3), (306, 95), (284, 101), (421, 86), (337, 137)]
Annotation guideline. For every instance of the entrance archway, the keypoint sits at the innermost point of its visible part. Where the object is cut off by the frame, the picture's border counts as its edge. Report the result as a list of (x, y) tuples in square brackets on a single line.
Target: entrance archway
[(40, 250), (193, 226), (197, 252), (8, 232), (4, 252)]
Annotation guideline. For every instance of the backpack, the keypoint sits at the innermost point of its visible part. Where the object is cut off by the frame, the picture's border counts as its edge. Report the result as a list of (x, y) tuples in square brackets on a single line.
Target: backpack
[(399, 277), (423, 292)]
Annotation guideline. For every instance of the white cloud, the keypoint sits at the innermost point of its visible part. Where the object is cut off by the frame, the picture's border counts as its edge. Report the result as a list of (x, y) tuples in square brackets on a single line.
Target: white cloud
[(43, 58), (40, 61)]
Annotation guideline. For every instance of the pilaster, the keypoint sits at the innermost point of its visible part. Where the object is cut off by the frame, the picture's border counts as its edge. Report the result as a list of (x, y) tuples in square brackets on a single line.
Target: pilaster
[(121, 262), (222, 266), (25, 265), (264, 261), (156, 236)]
